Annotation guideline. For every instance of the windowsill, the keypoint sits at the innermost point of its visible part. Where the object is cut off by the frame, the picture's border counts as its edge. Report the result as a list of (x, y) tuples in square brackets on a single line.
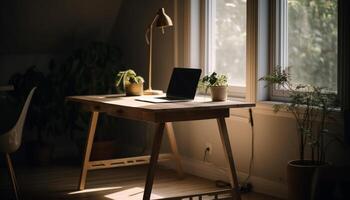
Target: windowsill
[(236, 112), (229, 97), (266, 108), (263, 108), (232, 97)]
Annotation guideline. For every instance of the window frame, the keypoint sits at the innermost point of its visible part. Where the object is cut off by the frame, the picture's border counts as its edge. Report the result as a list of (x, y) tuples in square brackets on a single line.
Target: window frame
[(276, 40)]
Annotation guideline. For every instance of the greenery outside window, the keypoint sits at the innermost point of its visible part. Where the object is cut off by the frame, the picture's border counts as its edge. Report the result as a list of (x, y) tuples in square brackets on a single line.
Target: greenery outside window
[(226, 42), (305, 42)]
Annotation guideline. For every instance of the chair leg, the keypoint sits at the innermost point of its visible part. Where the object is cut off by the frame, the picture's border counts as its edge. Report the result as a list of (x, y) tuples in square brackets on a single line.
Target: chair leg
[(12, 174)]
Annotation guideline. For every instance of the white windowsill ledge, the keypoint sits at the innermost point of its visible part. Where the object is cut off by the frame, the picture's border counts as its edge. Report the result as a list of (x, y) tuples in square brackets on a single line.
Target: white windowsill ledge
[(266, 108)]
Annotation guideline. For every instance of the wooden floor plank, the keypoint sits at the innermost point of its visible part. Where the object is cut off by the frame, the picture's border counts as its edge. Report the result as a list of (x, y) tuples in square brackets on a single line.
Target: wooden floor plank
[(60, 182)]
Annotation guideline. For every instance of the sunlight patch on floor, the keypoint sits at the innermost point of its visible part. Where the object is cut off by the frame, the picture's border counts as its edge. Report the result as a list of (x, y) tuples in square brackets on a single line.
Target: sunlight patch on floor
[(131, 194), (94, 190)]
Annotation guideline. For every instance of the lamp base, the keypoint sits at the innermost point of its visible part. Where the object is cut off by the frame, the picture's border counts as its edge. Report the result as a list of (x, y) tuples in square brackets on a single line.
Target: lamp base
[(152, 92)]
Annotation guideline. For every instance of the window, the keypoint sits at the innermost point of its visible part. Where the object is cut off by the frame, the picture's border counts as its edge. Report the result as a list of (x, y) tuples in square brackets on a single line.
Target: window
[(307, 35), (226, 36)]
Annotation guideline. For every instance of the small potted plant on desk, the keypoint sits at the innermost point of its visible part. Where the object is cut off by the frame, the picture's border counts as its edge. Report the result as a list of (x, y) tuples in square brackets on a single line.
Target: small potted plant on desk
[(311, 107), (127, 81), (217, 84)]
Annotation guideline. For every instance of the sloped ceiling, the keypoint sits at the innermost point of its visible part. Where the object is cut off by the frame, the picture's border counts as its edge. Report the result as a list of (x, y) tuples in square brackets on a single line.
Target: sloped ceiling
[(51, 26)]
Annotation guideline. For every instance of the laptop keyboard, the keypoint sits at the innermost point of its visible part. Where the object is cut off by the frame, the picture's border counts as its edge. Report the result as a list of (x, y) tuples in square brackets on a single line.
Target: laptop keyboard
[(170, 98)]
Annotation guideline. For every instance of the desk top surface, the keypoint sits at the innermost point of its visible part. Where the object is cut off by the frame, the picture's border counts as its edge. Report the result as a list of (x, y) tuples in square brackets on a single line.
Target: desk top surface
[(118, 101), (127, 107)]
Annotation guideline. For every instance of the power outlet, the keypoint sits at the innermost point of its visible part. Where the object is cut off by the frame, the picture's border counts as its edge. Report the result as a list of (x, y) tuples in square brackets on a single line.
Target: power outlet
[(208, 148)]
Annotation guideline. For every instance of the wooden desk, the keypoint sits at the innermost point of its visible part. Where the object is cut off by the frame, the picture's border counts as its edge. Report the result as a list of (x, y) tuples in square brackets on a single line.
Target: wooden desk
[(161, 114)]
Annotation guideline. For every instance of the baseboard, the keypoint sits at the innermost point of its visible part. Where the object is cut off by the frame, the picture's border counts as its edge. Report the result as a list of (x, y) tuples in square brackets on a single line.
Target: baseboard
[(213, 172)]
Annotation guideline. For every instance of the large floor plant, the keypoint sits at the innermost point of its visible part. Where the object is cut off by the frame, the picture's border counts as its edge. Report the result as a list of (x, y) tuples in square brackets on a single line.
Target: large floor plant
[(311, 107)]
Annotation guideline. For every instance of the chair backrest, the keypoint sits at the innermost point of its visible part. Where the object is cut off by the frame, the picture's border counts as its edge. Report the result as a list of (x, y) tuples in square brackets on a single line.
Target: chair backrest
[(22, 117), (11, 140)]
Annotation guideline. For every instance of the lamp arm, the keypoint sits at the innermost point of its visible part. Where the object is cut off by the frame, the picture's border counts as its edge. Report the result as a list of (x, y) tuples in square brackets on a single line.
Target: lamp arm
[(146, 35), (150, 59), (149, 29), (154, 20), (149, 42)]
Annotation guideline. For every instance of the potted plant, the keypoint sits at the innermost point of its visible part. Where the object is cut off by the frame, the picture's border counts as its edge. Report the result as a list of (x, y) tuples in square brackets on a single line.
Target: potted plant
[(87, 71), (41, 118), (311, 107), (217, 84), (127, 81)]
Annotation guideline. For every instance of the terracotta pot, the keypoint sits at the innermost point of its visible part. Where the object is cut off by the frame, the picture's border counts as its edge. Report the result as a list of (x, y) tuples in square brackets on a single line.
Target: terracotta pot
[(134, 89), (218, 93), (300, 175)]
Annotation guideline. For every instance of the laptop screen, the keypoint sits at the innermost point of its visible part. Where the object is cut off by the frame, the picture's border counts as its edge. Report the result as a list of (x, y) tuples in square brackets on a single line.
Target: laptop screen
[(183, 83)]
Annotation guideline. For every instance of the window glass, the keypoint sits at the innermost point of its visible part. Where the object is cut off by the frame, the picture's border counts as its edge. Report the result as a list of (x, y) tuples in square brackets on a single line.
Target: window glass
[(226, 52), (312, 42)]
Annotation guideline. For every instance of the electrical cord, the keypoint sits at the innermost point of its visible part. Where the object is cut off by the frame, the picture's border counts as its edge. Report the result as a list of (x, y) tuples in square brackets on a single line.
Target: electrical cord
[(205, 154), (245, 186), (251, 121)]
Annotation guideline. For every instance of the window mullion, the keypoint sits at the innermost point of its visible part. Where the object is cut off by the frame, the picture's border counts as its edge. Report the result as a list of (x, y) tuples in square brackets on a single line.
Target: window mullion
[(251, 50)]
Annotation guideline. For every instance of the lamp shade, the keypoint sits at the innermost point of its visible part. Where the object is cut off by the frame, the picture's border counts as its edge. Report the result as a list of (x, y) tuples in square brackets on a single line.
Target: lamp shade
[(163, 19)]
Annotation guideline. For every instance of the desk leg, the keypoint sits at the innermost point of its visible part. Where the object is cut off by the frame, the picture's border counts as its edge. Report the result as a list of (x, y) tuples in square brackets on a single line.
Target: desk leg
[(89, 141), (153, 161), (173, 146), (228, 153)]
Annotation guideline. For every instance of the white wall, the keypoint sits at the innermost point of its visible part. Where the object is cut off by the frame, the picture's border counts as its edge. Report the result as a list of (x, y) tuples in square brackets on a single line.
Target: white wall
[(275, 144)]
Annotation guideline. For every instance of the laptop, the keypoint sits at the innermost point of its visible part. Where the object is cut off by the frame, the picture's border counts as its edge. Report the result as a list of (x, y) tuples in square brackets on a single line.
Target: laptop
[(182, 86)]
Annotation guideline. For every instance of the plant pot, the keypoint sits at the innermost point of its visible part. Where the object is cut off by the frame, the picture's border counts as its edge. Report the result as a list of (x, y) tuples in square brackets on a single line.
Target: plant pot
[(218, 93), (300, 175), (134, 89)]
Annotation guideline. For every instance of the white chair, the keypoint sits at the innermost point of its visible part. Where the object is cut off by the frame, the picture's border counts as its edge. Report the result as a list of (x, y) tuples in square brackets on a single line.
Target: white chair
[(11, 140)]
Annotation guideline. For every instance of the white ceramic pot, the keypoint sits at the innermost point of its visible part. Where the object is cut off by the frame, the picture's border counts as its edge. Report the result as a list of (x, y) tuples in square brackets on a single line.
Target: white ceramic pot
[(218, 93), (134, 89)]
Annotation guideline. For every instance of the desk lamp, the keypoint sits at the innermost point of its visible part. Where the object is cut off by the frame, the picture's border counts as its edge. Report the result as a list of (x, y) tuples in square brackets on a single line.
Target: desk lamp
[(161, 20)]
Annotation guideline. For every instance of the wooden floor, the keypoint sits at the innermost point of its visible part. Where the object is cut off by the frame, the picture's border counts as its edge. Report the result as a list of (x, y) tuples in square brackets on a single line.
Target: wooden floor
[(60, 182)]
